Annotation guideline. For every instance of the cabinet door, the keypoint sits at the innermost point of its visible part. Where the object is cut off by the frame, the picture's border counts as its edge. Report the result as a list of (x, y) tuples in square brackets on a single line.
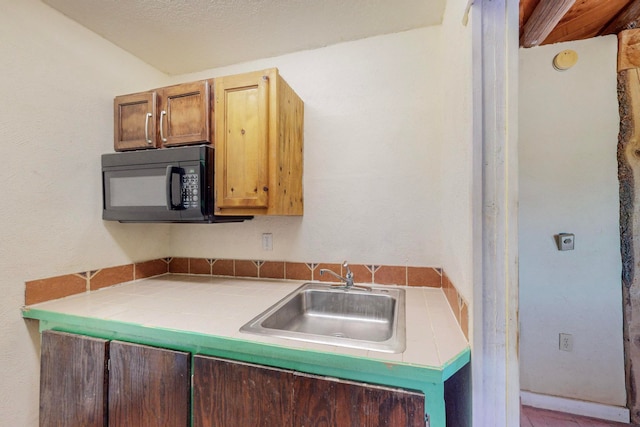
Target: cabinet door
[(134, 121), (73, 372), (148, 387), (184, 114), (242, 138), (235, 394), (329, 402)]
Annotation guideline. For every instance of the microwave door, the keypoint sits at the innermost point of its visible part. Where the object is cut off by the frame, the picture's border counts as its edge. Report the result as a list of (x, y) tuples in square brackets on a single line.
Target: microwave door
[(139, 195)]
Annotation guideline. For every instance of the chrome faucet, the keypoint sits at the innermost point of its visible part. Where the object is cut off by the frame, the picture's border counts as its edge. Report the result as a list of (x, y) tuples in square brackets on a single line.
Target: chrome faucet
[(348, 279)]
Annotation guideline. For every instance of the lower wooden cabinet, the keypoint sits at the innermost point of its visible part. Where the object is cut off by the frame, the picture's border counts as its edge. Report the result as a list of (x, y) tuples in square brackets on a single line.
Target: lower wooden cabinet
[(148, 386), (73, 387), (332, 402), (235, 394), (90, 382), (144, 386)]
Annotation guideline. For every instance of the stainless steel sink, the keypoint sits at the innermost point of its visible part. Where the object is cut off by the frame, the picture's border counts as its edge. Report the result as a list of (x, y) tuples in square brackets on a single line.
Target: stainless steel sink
[(367, 319)]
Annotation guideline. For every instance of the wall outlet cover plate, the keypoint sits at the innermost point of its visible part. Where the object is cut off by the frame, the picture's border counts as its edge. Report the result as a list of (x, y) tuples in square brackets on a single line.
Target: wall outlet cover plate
[(565, 241)]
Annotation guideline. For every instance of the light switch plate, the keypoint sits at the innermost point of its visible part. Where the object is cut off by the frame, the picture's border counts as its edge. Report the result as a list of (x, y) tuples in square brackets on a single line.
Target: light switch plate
[(267, 241), (565, 241)]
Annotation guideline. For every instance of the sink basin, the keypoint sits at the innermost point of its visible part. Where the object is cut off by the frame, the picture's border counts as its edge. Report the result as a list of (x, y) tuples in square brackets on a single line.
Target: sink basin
[(367, 319)]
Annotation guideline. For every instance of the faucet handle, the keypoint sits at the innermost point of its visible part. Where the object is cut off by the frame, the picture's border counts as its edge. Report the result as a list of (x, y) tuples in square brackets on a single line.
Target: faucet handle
[(348, 278), (349, 274)]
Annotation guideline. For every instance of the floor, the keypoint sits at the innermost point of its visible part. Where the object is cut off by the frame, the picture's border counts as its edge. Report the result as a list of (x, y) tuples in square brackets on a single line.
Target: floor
[(533, 417)]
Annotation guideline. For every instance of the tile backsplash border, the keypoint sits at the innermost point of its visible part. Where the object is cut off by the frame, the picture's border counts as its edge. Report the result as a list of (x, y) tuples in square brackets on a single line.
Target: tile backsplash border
[(41, 290)]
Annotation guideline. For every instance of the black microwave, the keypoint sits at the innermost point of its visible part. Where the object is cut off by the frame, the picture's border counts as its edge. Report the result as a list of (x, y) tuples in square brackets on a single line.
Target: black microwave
[(164, 185)]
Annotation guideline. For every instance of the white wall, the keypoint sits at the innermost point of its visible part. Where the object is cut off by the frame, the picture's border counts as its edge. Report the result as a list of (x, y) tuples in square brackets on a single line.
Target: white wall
[(372, 162), (375, 130), (568, 125), (57, 87), (456, 178)]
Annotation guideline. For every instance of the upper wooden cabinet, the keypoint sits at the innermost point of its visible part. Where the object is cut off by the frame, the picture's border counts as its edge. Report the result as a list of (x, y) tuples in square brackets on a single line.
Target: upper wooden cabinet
[(170, 116), (184, 114), (259, 141), (135, 121), (255, 121)]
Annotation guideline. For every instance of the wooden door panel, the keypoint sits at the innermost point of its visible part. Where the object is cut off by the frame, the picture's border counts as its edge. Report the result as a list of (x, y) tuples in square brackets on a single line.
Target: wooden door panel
[(329, 402), (235, 394), (135, 121), (148, 387), (314, 402), (391, 407), (185, 114), (242, 141), (73, 380)]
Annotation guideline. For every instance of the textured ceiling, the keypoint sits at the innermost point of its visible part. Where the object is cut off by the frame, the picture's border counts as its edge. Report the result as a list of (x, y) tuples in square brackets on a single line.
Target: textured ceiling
[(182, 36)]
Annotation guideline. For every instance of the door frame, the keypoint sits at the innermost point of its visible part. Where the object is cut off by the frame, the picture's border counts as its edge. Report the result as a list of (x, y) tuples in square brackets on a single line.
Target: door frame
[(495, 364)]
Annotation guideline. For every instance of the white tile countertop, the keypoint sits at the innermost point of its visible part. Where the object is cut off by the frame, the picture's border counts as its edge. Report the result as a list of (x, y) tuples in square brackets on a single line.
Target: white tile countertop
[(219, 306), (203, 315)]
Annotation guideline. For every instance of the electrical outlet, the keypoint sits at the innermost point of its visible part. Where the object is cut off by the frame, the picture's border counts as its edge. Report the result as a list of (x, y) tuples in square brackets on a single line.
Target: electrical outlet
[(566, 342), (267, 241)]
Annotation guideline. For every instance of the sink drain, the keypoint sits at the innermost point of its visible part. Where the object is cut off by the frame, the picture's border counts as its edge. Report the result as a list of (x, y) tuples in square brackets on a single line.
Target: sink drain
[(338, 335)]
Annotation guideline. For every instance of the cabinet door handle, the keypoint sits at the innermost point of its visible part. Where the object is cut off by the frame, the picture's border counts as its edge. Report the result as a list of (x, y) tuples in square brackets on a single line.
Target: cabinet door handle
[(146, 128), (162, 114)]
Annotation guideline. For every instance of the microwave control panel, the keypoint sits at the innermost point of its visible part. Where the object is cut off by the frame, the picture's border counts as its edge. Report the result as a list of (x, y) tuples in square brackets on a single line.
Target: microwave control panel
[(190, 190)]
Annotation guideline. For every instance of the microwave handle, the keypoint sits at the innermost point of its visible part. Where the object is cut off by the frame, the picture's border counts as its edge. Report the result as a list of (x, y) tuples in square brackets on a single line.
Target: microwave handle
[(171, 171)]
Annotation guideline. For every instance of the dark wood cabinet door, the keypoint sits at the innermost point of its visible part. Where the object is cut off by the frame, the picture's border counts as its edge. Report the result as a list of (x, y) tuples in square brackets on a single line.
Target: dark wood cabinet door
[(315, 401), (234, 394), (184, 114), (330, 402), (73, 373), (148, 387), (134, 121)]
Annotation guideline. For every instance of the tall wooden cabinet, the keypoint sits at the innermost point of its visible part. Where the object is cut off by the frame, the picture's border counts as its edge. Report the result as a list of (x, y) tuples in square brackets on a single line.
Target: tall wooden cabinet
[(166, 117), (259, 144)]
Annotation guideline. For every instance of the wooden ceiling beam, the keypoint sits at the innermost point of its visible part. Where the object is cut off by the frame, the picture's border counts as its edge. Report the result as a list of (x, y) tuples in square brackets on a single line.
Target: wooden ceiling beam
[(586, 19), (629, 50), (526, 9), (543, 20), (622, 20)]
